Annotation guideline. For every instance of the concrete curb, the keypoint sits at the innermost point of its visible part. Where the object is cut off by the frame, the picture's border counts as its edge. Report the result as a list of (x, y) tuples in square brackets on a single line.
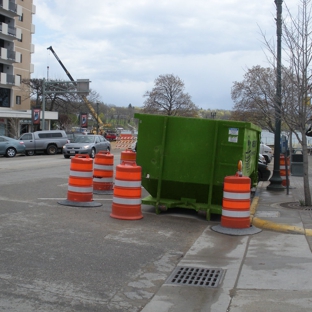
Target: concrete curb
[(278, 227)]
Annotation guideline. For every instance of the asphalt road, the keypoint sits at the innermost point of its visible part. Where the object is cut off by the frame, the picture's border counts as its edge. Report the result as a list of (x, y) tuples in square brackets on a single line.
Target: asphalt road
[(62, 258)]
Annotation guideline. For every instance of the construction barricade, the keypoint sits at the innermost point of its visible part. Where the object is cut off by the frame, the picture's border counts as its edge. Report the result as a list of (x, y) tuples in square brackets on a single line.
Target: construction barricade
[(284, 169), (103, 173), (128, 156), (236, 202), (127, 192), (235, 218), (80, 183), (125, 141)]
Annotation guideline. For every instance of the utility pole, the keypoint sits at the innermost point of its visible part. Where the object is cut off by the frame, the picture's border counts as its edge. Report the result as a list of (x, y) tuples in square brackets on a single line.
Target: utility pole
[(276, 180)]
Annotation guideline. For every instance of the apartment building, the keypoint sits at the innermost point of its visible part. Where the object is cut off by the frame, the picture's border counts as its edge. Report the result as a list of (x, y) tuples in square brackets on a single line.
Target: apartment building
[(16, 48)]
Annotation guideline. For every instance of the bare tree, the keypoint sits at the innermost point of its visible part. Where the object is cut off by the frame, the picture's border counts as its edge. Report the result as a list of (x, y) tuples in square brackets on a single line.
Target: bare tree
[(297, 51), (168, 98), (254, 97), (65, 103), (13, 124)]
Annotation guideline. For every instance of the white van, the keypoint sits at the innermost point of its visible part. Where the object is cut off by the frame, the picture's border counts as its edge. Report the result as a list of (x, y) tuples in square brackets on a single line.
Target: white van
[(267, 152)]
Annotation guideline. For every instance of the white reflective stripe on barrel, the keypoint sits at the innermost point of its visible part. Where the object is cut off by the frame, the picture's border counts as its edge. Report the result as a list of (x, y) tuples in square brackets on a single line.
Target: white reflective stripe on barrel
[(80, 189), (283, 167), (124, 183), (283, 177), (103, 167), (83, 174), (230, 195), (127, 201), (110, 180), (237, 214)]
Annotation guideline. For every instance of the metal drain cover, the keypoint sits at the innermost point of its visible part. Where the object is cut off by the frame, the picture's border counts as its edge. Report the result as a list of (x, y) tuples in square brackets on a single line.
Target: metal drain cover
[(295, 205), (193, 276)]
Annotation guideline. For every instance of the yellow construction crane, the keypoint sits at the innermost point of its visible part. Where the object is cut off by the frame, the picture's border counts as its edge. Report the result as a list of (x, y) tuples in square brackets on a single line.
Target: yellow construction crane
[(89, 105)]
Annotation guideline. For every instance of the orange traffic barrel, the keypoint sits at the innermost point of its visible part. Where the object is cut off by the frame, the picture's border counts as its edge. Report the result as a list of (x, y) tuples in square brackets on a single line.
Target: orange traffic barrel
[(283, 171), (80, 183), (236, 202), (127, 192), (103, 173), (128, 156)]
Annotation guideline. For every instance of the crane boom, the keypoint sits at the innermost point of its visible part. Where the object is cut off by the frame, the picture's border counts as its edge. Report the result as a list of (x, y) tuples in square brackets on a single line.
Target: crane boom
[(90, 107)]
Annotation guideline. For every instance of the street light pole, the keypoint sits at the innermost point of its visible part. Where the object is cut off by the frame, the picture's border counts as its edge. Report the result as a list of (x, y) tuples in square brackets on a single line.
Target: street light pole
[(97, 118), (276, 180)]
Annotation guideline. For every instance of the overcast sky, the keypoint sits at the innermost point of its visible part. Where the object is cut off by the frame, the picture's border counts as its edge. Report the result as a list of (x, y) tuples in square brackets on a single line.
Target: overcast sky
[(122, 46)]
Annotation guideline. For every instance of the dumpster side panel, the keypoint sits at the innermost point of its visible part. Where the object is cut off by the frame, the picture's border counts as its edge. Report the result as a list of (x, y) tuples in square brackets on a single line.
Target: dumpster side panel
[(188, 158)]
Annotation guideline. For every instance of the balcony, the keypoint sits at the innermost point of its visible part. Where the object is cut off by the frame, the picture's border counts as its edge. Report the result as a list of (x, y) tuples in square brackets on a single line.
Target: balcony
[(9, 56), (10, 32), (11, 80), (10, 8)]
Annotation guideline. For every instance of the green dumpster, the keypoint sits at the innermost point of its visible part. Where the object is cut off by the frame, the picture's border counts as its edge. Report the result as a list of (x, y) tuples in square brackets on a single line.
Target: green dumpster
[(184, 160)]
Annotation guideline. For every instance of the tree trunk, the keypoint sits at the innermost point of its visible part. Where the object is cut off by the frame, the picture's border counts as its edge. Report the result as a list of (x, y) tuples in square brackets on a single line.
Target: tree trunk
[(306, 186)]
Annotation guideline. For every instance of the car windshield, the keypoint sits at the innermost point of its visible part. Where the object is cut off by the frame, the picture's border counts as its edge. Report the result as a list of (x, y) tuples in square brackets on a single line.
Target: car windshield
[(84, 139)]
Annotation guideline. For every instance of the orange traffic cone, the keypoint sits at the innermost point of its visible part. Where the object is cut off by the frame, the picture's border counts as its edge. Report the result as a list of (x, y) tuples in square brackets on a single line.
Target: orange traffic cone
[(236, 202), (128, 156), (103, 172), (80, 184), (127, 192)]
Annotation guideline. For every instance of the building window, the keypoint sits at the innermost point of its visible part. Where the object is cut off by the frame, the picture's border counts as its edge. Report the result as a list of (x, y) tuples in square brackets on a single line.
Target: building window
[(20, 40), (4, 97), (18, 100), (20, 18), (20, 79)]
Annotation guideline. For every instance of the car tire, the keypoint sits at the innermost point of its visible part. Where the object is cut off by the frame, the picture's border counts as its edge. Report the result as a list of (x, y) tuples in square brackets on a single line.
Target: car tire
[(51, 150), (267, 160), (66, 156), (92, 154), (10, 152), (30, 153), (108, 149)]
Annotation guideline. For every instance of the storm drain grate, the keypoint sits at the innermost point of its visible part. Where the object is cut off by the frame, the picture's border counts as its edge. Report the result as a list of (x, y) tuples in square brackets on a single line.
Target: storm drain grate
[(193, 276)]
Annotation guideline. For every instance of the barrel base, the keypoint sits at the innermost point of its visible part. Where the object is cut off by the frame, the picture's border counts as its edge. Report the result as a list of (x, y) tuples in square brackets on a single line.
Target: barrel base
[(236, 232), (126, 212), (102, 192), (91, 204)]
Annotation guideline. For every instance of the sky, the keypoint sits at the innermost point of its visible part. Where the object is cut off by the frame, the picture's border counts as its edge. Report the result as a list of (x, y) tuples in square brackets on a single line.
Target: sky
[(122, 46)]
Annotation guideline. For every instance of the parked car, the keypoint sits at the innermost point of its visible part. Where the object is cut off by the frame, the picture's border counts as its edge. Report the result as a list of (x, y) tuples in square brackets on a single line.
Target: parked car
[(10, 147), (48, 141), (110, 136), (71, 136), (86, 144), (264, 172), (267, 152), (262, 158)]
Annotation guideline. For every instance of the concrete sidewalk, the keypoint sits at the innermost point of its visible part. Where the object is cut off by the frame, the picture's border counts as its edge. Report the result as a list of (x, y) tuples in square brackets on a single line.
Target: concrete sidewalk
[(268, 271)]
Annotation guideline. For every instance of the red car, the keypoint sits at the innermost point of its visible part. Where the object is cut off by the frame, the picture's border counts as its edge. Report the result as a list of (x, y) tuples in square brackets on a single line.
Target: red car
[(110, 136)]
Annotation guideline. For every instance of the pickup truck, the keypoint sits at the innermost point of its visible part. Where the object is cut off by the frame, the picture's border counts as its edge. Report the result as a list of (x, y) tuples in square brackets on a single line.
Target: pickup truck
[(49, 142)]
